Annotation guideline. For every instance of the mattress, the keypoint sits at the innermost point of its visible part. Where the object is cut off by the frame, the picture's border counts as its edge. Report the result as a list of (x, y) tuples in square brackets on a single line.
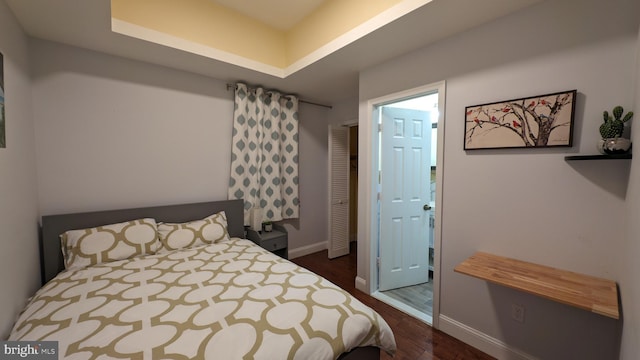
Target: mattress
[(227, 300)]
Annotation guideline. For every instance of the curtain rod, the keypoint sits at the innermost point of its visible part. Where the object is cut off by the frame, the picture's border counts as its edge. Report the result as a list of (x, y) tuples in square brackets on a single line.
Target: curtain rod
[(233, 87)]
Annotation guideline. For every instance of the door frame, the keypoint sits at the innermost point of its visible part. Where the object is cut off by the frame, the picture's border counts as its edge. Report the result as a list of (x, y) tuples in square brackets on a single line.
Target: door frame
[(368, 150)]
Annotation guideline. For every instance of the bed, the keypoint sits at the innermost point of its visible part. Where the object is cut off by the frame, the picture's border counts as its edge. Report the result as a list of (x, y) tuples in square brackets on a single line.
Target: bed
[(181, 282)]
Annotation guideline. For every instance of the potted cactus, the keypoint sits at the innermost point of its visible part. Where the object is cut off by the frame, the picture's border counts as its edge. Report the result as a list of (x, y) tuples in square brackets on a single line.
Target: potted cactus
[(611, 131)]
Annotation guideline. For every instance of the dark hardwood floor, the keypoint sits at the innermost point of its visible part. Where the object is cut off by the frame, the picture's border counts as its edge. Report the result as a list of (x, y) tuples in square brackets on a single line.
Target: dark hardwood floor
[(415, 339)]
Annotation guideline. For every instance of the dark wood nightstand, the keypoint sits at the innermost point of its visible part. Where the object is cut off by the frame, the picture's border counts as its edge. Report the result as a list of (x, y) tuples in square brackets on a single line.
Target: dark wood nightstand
[(275, 241)]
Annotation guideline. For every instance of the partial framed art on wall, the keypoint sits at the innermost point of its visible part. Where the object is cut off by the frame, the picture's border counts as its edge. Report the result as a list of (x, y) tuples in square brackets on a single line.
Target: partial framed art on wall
[(3, 142), (533, 122)]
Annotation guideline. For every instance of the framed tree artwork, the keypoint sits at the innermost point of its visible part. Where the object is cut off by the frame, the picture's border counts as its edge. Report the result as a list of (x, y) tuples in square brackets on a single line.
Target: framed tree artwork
[(532, 122), (3, 142)]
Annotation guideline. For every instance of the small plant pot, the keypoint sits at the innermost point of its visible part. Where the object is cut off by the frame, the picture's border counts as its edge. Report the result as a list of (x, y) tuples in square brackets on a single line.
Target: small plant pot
[(267, 227), (616, 145)]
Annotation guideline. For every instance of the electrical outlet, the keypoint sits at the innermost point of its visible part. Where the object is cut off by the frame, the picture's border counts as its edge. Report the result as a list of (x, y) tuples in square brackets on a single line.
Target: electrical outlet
[(517, 313)]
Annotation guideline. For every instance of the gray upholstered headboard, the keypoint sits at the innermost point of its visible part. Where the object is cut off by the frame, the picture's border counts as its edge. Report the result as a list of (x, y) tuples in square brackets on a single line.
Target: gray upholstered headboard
[(54, 225)]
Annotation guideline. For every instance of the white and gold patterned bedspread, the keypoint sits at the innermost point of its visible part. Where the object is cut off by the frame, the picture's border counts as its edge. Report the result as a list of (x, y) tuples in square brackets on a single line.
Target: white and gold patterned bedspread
[(230, 300)]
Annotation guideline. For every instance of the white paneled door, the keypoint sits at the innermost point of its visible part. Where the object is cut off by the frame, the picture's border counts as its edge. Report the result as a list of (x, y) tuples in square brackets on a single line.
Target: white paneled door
[(405, 172)]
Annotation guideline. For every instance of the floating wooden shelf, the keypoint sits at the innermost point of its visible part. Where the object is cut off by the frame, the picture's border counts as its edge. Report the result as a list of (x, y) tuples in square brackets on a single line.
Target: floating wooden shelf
[(598, 157), (582, 291)]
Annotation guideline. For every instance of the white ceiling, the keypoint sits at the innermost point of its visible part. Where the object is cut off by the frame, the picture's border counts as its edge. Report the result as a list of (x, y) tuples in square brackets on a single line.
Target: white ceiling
[(87, 24), (280, 14)]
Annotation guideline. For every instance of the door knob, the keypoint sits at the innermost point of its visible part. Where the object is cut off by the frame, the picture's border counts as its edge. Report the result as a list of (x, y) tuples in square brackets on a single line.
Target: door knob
[(426, 207)]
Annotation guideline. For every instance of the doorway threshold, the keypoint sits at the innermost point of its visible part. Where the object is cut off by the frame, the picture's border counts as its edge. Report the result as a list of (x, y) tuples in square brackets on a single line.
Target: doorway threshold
[(426, 318)]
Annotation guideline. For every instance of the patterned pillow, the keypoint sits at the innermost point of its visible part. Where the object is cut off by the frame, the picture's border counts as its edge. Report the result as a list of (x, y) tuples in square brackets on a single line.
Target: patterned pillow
[(199, 232), (113, 242)]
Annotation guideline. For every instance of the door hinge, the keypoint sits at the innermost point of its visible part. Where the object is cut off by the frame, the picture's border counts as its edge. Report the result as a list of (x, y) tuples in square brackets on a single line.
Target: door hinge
[(380, 127), (378, 261)]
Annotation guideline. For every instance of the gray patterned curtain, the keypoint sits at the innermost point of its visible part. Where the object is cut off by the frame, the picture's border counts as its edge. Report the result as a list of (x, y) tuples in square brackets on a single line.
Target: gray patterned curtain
[(264, 153)]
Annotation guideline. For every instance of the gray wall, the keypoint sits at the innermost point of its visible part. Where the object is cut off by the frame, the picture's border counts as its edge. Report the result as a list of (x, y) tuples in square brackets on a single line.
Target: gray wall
[(531, 204), (114, 133), (19, 264)]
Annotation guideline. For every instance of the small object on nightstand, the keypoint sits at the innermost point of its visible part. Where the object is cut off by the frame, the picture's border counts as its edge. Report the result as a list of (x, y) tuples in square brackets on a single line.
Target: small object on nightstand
[(275, 241), (267, 226)]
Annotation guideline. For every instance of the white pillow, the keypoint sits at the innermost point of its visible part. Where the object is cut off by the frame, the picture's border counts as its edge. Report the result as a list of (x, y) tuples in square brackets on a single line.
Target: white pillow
[(86, 247), (209, 230)]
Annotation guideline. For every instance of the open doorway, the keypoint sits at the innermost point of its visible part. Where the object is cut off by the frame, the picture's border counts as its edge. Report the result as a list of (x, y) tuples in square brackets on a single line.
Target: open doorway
[(404, 241), (407, 200), (353, 184)]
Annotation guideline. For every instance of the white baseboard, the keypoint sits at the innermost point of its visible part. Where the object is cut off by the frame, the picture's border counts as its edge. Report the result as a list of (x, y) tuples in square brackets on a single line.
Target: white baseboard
[(481, 341), (306, 250), (361, 284)]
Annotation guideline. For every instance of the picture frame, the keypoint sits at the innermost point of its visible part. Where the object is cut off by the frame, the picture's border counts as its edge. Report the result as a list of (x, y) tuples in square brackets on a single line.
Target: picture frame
[(539, 121), (3, 141)]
